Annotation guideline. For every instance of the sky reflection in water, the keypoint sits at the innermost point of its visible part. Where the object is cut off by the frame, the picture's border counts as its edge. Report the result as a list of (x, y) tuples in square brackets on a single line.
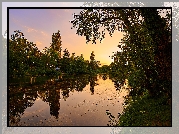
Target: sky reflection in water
[(75, 101)]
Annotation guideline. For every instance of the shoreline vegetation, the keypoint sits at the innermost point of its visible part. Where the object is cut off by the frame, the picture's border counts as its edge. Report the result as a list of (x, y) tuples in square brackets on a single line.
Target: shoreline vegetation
[(144, 60)]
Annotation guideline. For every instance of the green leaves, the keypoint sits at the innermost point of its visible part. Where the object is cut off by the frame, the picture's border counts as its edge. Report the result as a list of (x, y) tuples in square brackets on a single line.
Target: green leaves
[(143, 48), (26, 59), (77, 64), (146, 111), (144, 58)]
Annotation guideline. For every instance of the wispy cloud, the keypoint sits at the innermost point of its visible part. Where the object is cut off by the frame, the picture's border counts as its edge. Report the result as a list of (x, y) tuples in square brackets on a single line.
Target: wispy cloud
[(38, 43), (44, 33), (29, 29), (15, 20)]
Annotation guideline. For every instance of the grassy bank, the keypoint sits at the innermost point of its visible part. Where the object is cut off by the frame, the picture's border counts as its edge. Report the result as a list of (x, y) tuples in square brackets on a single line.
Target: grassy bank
[(147, 111)]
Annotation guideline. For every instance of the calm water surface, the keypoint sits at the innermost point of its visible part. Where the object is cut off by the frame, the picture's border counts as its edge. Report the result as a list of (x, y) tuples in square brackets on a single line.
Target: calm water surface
[(66, 101)]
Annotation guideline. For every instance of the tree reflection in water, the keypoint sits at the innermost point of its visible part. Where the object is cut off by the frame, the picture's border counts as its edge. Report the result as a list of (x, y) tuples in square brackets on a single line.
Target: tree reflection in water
[(104, 77), (18, 101), (21, 97), (93, 83)]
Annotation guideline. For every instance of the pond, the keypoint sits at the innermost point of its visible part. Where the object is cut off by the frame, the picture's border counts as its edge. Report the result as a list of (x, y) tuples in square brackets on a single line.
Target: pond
[(64, 101)]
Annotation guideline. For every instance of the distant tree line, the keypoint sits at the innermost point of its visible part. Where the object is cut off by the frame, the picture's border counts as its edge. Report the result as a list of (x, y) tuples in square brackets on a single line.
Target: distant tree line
[(26, 59)]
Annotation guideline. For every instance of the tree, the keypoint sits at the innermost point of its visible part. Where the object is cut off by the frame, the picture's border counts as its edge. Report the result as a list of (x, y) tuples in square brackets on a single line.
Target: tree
[(50, 58), (104, 69), (18, 62), (146, 46), (93, 65), (57, 43), (26, 59)]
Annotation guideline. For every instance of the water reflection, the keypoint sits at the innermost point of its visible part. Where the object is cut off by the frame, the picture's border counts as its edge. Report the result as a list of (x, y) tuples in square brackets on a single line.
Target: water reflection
[(54, 91), (93, 83), (104, 77)]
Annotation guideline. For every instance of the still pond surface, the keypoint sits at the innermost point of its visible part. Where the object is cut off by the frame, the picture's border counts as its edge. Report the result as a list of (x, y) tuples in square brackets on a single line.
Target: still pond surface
[(64, 101)]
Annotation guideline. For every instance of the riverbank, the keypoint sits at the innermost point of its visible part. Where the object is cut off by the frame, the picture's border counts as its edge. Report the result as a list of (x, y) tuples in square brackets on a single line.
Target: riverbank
[(147, 111)]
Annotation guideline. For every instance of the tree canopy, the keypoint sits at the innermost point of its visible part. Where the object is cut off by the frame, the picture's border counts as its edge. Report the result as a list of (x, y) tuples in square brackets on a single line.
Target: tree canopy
[(25, 58), (146, 47)]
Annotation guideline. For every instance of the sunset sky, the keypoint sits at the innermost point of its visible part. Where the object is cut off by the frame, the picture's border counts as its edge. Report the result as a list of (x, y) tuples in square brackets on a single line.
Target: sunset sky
[(38, 25)]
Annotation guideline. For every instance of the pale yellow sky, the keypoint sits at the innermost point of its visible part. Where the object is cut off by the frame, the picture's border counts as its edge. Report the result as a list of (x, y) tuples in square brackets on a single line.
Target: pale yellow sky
[(102, 50)]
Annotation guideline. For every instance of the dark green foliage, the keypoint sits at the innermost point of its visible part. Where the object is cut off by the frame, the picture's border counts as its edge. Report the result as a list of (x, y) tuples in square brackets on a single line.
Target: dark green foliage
[(104, 69), (144, 56), (146, 111), (77, 64), (145, 50), (26, 59)]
